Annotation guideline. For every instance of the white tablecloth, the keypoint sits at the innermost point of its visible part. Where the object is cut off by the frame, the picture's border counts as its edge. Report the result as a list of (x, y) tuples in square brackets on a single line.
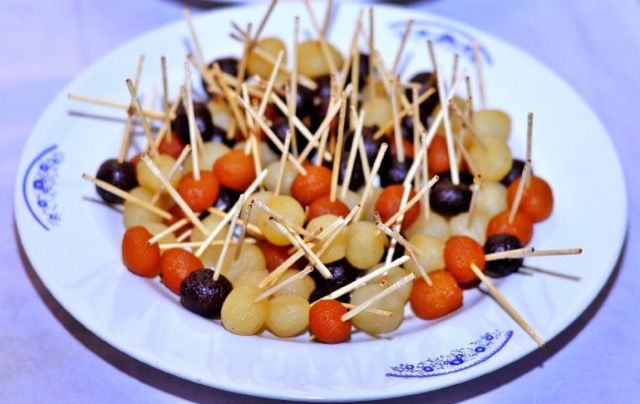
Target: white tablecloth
[(45, 355)]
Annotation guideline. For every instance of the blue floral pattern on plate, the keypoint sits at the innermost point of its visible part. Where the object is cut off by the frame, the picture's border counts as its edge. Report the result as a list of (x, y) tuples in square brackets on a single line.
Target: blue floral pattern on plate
[(456, 40), (39, 187), (457, 360)]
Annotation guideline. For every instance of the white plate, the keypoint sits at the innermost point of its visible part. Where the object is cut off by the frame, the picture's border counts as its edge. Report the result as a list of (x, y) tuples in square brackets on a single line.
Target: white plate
[(74, 244)]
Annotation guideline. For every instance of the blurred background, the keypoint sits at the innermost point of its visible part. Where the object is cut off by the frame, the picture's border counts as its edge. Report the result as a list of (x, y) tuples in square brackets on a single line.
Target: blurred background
[(46, 355)]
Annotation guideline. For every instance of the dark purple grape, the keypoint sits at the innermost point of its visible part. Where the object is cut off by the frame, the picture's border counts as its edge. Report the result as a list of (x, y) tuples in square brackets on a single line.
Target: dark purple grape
[(304, 101), (120, 175), (280, 127), (448, 199), (202, 295), (318, 113), (324, 88), (204, 122), (228, 65), (503, 267), (219, 135), (343, 274), (357, 174), (393, 171), (426, 80), (320, 102), (517, 166), (406, 125), (363, 70), (371, 145), (226, 199)]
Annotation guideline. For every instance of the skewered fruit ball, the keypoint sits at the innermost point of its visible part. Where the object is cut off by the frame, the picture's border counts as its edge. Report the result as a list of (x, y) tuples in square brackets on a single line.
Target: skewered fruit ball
[(492, 123), (288, 315), (537, 198), (312, 61), (199, 194), (256, 63), (203, 119), (365, 245), (241, 314), (342, 273), (227, 198), (175, 266), (325, 322), (202, 295), (503, 267), (441, 298), (449, 199), (138, 256), (372, 323), (517, 166), (460, 252), (120, 175)]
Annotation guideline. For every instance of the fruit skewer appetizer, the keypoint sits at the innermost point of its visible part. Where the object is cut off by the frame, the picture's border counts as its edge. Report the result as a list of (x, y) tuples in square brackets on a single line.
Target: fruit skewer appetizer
[(360, 193)]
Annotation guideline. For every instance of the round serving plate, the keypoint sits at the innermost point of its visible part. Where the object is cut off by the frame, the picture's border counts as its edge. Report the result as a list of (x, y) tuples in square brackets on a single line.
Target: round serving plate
[(73, 240)]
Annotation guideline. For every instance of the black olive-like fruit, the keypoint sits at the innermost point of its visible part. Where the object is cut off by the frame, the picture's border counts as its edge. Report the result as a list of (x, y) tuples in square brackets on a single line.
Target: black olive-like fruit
[(448, 199), (228, 65), (120, 175), (503, 267), (393, 171), (202, 295), (318, 113), (204, 122), (426, 80), (517, 166), (219, 135), (406, 126), (365, 60), (364, 70), (320, 105), (226, 199), (371, 145), (357, 174), (304, 101), (280, 127), (343, 274), (323, 91)]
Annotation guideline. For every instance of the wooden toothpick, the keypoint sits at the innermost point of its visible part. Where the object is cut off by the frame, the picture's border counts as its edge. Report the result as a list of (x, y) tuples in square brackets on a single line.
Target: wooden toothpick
[(369, 183), (195, 158), (337, 159), (127, 196), (225, 247), (352, 155), (403, 43), (504, 303), (365, 279), (143, 118), (177, 198), (531, 252), (386, 292), (526, 172), (283, 284), (477, 56), (172, 172), (444, 107)]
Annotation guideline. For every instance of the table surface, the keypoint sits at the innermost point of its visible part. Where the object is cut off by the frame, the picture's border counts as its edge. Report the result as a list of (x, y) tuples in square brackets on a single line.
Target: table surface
[(46, 355)]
